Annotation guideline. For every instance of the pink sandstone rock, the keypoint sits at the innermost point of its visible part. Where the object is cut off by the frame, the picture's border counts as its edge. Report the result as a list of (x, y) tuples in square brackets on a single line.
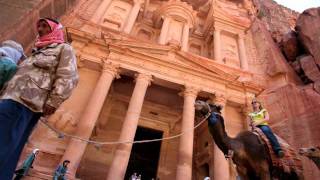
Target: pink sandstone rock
[(296, 66), (316, 86), (290, 46), (196, 3), (275, 58), (308, 28), (310, 68)]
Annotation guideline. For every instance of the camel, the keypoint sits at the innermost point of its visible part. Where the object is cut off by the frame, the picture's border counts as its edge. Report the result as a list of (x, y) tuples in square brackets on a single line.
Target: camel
[(312, 153), (249, 155)]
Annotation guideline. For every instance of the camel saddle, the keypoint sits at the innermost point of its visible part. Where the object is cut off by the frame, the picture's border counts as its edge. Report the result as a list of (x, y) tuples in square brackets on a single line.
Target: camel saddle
[(290, 162)]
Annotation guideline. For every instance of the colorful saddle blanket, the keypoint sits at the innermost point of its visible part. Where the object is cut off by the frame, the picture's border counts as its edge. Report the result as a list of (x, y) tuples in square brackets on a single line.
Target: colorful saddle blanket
[(290, 162)]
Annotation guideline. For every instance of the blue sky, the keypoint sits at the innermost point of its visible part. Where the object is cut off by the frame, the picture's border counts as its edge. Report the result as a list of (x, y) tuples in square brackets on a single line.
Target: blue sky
[(299, 5)]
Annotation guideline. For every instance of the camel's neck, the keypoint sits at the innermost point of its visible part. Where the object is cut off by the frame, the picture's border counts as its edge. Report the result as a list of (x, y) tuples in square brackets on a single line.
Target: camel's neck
[(217, 130), (316, 160)]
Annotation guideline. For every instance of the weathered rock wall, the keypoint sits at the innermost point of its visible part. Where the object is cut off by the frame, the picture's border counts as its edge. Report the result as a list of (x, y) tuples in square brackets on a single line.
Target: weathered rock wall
[(294, 116), (18, 18), (277, 18), (293, 106)]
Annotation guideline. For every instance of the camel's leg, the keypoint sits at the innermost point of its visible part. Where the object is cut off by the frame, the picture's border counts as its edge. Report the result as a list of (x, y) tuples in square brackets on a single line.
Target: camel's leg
[(264, 172), (265, 176), (242, 172)]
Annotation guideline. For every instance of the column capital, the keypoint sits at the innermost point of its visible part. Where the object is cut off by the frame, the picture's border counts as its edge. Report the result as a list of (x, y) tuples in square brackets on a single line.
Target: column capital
[(165, 17), (187, 25), (241, 36), (217, 29), (137, 2), (144, 77), (111, 68), (247, 107), (220, 99), (190, 91), (249, 98)]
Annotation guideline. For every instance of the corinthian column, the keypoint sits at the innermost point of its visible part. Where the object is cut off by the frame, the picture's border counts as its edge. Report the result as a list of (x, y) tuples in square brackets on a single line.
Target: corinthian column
[(132, 16), (217, 45), (185, 37), (164, 30), (221, 165), (101, 11), (184, 169), (76, 148), (122, 154), (242, 53)]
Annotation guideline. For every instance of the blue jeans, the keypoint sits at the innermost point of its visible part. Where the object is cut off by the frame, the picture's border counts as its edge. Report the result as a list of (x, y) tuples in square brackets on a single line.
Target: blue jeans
[(272, 138), (16, 125)]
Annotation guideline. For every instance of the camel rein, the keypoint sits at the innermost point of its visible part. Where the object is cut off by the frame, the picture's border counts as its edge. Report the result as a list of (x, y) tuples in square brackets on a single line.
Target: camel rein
[(99, 143)]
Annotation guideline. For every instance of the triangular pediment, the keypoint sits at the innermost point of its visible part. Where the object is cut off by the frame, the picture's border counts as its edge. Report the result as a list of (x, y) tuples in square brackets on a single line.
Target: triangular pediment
[(174, 57)]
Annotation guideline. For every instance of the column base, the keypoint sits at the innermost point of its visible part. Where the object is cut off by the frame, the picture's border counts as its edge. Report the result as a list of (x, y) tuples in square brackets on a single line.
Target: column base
[(119, 165), (184, 172)]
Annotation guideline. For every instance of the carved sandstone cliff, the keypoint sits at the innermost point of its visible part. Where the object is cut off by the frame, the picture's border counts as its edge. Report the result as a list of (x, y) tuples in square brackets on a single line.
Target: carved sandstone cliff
[(292, 105)]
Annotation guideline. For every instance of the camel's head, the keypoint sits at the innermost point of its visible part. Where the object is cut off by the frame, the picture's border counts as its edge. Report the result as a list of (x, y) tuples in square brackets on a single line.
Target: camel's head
[(215, 122), (202, 108), (310, 152)]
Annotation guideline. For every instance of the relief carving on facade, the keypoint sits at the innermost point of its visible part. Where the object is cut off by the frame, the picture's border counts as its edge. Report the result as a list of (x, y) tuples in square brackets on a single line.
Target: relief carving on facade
[(175, 31), (230, 50), (116, 15)]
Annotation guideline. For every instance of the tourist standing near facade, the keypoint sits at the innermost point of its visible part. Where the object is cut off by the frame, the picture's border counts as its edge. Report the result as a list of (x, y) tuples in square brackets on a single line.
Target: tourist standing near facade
[(61, 171), (133, 176), (43, 81), (27, 164)]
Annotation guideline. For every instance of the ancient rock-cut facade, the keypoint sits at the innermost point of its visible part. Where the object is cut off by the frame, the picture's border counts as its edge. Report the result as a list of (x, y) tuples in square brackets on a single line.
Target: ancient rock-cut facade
[(142, 65)]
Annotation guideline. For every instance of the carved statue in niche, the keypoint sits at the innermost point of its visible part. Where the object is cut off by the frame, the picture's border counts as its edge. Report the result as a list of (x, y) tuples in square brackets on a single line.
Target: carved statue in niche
[(175, 31), (234, 7), (116, 15), (230, 50)]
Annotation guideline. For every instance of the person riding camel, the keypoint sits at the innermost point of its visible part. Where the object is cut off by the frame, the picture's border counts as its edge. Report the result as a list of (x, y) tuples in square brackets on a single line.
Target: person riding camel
[(259, 118)]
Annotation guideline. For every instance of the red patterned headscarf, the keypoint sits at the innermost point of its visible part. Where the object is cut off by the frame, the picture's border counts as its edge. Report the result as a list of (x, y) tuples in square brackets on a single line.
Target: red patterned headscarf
[(55, 36)]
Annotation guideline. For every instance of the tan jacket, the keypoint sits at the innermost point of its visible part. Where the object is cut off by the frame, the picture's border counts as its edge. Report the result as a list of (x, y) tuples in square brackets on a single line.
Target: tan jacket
[(46, 77)]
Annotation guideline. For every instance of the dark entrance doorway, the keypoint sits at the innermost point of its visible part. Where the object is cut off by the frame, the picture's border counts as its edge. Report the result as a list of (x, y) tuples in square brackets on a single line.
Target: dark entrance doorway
[(144, 157)]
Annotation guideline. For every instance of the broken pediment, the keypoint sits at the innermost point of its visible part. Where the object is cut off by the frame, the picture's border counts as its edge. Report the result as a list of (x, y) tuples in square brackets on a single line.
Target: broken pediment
[(172, 57)]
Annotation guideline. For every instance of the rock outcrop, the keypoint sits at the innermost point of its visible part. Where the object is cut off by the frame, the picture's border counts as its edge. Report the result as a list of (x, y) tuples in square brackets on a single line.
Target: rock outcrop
[(17, 18), (310, 68), (301, 47), (308, 29), (289, 45), (293, 107), (278, 19)]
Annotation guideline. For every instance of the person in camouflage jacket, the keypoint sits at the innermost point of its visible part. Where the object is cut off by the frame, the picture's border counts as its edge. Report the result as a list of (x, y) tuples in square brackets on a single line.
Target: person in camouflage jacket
[(42, 82)]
